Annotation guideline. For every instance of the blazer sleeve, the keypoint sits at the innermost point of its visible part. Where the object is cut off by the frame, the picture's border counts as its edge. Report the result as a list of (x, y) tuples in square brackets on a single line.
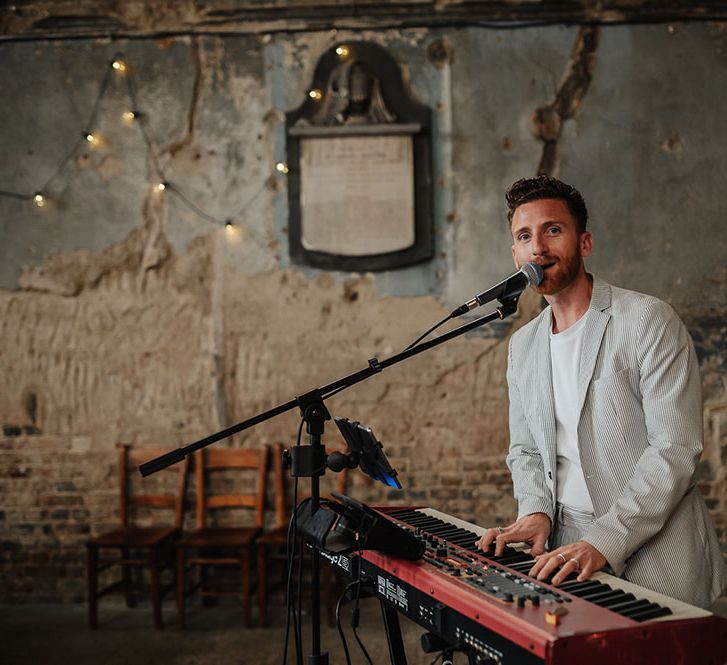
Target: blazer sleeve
[(671, 398), (524, 459)]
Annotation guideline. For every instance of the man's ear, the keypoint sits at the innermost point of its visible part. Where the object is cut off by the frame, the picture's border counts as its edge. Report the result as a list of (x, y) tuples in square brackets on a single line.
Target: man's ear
[(586, 243)]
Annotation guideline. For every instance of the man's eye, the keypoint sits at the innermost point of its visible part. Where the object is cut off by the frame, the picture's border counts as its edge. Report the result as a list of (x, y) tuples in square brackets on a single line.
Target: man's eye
[(552, 230), (523, 237)]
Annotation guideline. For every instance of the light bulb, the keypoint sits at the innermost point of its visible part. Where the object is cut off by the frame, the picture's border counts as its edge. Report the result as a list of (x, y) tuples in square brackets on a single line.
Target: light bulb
[(119, 65), (161, 186), (128, 115), (315, 94), (39, 199), (91, 138), (282, 167), (342, 50)]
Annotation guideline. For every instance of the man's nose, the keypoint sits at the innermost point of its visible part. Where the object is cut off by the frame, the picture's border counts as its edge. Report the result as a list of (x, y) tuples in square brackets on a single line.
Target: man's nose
[(537, 245)]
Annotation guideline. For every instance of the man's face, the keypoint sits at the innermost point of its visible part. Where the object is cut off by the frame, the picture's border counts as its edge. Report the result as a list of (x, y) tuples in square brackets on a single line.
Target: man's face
[(544, 232)]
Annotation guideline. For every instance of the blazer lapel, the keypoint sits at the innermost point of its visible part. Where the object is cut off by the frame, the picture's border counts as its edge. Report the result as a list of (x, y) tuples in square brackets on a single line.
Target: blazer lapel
[(543, 395), (593, 332)]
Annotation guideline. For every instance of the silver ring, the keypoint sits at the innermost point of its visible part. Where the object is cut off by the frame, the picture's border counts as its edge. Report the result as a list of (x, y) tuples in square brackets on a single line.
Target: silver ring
[(578, 564), (560, 554), (500, 529)]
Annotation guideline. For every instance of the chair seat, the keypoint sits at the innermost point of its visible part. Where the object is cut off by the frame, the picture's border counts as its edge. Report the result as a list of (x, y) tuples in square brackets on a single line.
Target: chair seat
[(220, 537), (134, 537), (276, 536)]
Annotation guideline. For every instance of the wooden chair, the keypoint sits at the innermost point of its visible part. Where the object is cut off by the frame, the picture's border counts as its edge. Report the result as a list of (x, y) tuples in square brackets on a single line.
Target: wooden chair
[(130, 540), (213, 546), (271, 546)]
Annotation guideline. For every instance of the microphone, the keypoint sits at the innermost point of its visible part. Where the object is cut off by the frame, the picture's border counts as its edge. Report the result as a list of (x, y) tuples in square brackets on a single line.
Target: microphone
[(531, 274)]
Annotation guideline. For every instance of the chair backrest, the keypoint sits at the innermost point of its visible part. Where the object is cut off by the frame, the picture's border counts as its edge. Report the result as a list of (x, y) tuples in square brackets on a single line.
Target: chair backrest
[(146, 493), (212, 460)]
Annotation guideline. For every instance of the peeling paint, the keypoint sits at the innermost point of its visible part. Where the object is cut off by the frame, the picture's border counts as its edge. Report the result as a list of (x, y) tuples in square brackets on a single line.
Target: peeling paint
[(547, 122)]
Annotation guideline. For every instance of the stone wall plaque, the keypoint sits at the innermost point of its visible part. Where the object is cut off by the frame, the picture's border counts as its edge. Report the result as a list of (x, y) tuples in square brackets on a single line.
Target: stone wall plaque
[(359, 160)]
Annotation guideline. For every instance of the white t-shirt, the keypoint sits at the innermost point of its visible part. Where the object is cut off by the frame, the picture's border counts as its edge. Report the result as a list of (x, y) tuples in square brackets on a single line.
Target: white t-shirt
[(565, 358)]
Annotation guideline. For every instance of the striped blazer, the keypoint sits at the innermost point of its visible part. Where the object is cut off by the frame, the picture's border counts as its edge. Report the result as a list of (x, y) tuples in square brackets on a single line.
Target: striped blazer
[(639, 435)]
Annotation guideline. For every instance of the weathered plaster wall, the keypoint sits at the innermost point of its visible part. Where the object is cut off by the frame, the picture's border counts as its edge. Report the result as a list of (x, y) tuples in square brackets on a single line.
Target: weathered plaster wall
[(126, 316)]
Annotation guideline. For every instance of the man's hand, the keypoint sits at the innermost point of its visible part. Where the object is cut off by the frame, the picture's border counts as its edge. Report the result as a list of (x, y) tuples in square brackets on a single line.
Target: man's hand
[(579, 557), (533, 529)]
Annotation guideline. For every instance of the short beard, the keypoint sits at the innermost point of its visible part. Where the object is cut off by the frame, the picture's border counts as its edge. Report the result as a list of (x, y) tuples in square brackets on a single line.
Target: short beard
[(565, 274)]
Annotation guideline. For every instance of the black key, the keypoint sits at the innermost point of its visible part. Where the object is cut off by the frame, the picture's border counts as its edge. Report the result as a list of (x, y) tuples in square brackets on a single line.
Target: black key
[(637, 610), (577, 587), (620, 597), (651, 613), (620, 608), (597, 596)]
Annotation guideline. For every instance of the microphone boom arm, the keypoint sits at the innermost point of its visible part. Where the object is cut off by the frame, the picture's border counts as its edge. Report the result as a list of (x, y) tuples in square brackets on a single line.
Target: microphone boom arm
[(508, 307)]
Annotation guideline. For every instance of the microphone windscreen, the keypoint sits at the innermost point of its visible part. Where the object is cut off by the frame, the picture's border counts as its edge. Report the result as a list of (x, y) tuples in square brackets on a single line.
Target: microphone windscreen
[(533, 272)]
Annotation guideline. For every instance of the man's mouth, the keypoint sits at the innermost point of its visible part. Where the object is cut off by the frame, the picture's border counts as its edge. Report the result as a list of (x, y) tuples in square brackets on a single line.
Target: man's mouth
[(545, 266)]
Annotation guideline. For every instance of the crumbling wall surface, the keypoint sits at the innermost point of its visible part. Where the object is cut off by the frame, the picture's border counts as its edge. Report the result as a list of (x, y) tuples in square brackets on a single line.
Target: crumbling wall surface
[(126, 314), (130, 359)]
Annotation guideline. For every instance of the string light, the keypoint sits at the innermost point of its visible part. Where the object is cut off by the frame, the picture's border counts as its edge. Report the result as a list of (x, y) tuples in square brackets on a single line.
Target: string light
[(315, 94), (342, 50), (89, 136), (282, 167)]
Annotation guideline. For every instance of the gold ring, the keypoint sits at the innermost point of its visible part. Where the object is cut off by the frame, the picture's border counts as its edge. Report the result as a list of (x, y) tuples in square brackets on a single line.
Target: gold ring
[(560, 554), (578, 564)]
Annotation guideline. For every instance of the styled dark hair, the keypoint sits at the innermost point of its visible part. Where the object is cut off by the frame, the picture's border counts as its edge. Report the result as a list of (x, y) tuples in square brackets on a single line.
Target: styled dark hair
[(526, 190)]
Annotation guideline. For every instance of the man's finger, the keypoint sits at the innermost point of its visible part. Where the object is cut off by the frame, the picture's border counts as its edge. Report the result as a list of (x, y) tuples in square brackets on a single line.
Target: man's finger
[(500, 542), (538, 544), (551, 565), (485, 541), (586, 573)]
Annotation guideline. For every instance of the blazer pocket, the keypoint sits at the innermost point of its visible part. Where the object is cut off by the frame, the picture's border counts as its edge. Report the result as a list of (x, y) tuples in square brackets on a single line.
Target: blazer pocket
[(618, 411)]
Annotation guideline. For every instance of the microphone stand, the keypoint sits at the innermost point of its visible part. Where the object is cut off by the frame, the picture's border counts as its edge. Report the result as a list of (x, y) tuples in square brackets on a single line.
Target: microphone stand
[(310, 461)]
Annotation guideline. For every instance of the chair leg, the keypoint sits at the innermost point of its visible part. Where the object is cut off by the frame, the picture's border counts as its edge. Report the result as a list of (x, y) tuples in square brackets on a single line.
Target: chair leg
[(180, 587), (262, 598), (245, 556), (128, 585), (92, 581), (204, 576), (156, 598)]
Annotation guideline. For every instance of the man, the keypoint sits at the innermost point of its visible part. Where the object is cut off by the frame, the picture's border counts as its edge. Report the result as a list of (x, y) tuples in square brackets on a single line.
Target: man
[(605, 419)]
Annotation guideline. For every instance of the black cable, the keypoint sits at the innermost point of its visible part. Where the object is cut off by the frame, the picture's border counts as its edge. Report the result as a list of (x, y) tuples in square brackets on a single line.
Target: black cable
[(101, 92), (141, 124), (290, 559), (356, 614), (291, 527), (16, 195), (431, 330), (338, 621), (340, 24), (198, 211), (299, 614)]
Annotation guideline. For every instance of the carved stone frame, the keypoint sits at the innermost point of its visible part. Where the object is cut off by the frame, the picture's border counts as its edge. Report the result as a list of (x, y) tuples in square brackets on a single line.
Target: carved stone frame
[(408, 117)]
